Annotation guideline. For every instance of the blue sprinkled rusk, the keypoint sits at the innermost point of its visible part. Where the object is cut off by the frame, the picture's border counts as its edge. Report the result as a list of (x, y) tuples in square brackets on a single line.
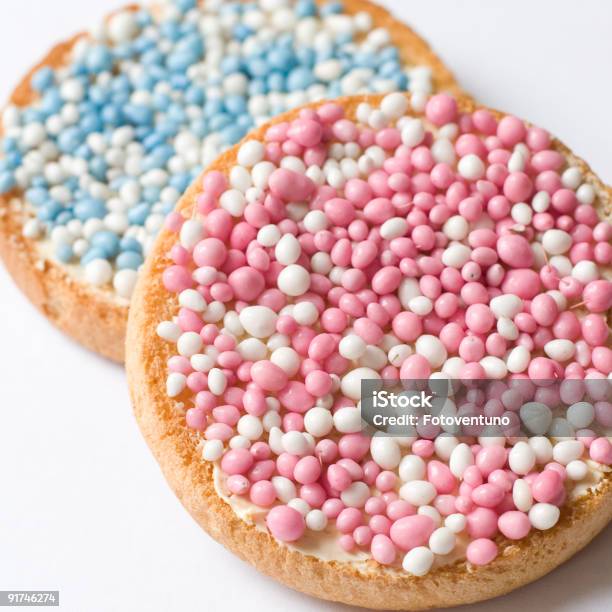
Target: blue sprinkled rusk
[(118, 133)]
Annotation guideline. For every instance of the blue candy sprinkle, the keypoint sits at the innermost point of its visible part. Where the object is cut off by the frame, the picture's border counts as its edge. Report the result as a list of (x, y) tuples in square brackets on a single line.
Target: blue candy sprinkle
[(42, 79), (89, 209), (63, 217), (49, 210), (99, 59), (91, 254), (332, 8), (138, 215), (129, 259), (107, 241), (64, 252), (130, 244), (300, 78), (7, 181), (138, 114), (306, 8)]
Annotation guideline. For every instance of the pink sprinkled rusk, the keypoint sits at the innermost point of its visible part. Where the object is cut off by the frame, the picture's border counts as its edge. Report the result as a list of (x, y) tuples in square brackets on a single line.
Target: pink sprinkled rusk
[(404, 239)]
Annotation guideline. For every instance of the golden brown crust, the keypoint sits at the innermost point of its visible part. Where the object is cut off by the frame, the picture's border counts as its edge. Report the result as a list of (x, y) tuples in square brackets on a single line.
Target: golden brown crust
[(161, 420), (96, 317)]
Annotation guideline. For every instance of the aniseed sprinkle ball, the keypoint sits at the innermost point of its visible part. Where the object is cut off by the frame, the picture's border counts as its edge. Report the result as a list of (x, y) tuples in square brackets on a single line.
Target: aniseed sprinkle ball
[(103, 136), (384, 237)]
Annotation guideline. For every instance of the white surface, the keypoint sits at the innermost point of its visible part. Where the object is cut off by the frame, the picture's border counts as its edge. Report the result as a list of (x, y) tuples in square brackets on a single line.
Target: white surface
[(83, 506)]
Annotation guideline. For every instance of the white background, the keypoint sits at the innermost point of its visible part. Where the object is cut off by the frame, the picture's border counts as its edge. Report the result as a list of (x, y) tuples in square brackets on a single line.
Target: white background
[(83, 506)]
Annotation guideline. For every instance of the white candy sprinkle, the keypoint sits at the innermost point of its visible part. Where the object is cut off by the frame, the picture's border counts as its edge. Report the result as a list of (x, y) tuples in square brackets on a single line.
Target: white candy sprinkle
[(393, 228), (556, 241), (542, 447), (585, 271), (32, 228), (250, 427), (432, 513), (471, 167), (300, 505), (494, 367), (169, 331), (316, 520), (522, 213), (347, 420), (122, 26), (315, 221), (239, 442), (398, 354), (258, 321), (124, 282), (305, 313), (560, 349), (508, 305), (577, 470), (294, 280), (442, 541), (355, 495), (521, 495), (421, 305), (418, 561), (581, 414), (189, 344), (567, 450), (445, 445), (318, 422), (536, 416), (287, 250), (455, 522), (212, 450), (192, 299), (250, 153), (507, 329), (432, 349), (295, 443), (98, 272), (284, 487), (418, 492), (518, 359), (351, 381), (412, 467), (287, 359), (571, 177), (456, 255), (201, 363), (540, 201), (191, 233), (461, 458), (521, 458), (385, 451), (352, 347), (413, 132), (544, 516), (585, 194), (394, 105), (175, 383), (217, 382), (456, 228), (233, 201)]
